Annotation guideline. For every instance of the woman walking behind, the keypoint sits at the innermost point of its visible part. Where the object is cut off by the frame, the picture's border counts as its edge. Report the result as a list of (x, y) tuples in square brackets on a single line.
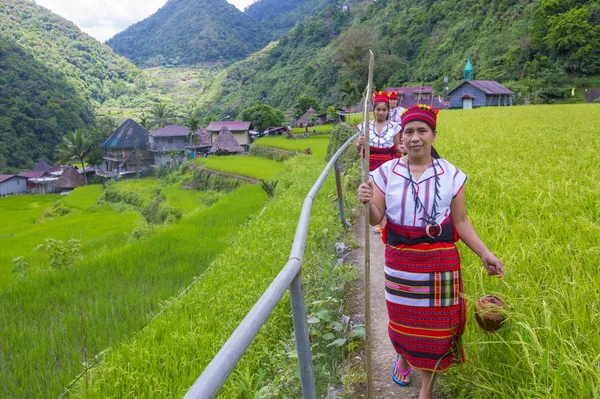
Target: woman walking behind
[(383, 137), (423, 199), (395, 110)]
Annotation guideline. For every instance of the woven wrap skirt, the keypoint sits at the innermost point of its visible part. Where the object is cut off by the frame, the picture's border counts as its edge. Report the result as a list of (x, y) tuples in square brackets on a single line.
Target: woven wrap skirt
[(426, 308), (379, 156)]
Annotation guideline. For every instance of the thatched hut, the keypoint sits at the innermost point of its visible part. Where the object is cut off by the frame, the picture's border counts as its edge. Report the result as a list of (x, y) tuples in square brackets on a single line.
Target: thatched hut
[(70, 179), (226, 143)]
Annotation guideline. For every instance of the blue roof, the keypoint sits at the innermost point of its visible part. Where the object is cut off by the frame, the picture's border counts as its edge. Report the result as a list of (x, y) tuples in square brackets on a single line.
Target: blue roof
[(129, 135)]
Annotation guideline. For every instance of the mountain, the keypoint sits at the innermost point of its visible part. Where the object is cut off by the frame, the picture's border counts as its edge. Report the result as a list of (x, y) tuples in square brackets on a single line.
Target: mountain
[(540, 49), (279, 16), (191, 32), (51, 77), (91, 67), (37, 106)]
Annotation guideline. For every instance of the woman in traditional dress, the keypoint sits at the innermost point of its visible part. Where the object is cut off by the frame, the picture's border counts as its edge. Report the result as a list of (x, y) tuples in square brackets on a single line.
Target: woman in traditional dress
[(383, 137), (383, 133), (395, 110), (423, 199)]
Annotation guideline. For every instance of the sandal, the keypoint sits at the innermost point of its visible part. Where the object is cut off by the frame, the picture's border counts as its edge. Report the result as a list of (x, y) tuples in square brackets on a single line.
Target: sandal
[(402, 372)]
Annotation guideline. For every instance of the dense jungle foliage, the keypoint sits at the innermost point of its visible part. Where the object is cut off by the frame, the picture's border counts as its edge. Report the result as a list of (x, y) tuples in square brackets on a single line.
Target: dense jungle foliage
[(92, 68), (189, 32), (540, 49), (37, 106), (279, 16)]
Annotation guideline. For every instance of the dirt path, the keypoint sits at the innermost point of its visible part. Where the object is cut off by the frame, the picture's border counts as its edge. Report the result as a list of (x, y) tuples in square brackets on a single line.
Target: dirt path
[(383, 352)]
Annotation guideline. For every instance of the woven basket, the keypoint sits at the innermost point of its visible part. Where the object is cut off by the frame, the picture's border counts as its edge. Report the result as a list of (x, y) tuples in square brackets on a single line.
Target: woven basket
[(490, 313)]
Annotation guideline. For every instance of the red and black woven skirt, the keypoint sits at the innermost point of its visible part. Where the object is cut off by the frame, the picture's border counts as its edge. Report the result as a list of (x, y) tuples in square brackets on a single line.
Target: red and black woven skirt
[(426, 308)]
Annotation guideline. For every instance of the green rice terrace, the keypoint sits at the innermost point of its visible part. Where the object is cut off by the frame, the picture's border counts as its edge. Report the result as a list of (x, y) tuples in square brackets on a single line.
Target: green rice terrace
[(83, 276)]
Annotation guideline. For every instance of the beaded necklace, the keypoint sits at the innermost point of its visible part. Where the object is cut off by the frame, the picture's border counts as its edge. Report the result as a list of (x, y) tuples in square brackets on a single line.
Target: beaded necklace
[(430, 218)]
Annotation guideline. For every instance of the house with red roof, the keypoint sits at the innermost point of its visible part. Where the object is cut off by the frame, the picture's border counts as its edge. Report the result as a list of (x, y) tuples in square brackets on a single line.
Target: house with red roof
[(239, 130)]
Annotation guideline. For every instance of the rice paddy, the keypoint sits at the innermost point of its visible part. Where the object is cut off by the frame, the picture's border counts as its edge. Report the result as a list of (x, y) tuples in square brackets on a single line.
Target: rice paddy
[(532, 195), (317, 144), (249, 166)]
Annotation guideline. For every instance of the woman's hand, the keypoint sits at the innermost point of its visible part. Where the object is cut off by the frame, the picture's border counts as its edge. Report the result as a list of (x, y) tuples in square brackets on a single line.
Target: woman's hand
[(360, 142), (492, 264), (365, 192)]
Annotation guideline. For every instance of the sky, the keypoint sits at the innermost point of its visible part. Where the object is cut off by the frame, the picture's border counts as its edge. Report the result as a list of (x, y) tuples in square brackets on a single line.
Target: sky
[(103, 19)]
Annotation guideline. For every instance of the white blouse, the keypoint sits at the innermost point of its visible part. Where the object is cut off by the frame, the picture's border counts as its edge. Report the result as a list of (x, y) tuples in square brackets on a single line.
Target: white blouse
[(395, 115), (383, 139), (393, 178)]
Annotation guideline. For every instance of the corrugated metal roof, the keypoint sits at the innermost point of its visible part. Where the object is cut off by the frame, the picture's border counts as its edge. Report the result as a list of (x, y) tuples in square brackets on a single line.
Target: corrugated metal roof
[(5, 177), (172, 131), (129, 135), (487, 86), (231, 126), (29, 175)]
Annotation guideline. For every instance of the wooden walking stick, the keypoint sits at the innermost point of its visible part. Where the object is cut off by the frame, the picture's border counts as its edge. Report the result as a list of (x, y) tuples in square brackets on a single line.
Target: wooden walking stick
[(365, 164)]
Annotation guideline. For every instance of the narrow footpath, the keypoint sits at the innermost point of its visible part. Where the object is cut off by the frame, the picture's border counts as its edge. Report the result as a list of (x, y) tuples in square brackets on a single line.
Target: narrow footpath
[(382, 351)]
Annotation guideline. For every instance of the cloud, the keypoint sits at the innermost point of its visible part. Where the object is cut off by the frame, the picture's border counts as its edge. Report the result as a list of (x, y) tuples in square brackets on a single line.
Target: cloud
[(103, 19)]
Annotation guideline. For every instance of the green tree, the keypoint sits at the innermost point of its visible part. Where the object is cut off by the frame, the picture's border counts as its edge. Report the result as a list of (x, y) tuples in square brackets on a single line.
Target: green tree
[(144, 122), (262, 116), (161, 115), (193, 125), (74, 147), (332, 113), (303, 104), (104, 127), (349, 93)]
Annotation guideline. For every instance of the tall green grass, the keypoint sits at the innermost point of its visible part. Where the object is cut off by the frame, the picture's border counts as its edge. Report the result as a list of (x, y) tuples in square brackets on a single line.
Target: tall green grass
[(250, 166), (165, 359), (317, 144), (534, 197), (48, 323)]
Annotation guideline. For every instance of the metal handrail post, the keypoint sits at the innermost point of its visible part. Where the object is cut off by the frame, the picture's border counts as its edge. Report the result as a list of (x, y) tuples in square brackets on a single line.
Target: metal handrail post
[(340, 194), (307, 376)]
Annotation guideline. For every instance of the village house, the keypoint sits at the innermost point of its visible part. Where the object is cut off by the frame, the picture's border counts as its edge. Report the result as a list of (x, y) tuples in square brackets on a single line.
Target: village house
[(226, 143), (127, 149), (472, 93), (239, 130), (173, 139), (305, 119), (408, 96), (12, 184), (69, 179)]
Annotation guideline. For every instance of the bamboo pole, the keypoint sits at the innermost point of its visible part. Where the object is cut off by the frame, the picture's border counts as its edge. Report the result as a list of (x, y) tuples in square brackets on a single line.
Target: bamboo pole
[(365, 164)]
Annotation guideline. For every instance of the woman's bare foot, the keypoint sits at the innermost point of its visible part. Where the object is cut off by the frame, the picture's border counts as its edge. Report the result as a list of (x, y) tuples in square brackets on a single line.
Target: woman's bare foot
[(402, 370)]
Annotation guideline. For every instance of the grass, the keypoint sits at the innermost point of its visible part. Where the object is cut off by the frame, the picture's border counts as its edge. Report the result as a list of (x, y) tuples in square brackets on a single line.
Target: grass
[(249, 166), (317, 144), (328, 128), (109, 295), (165, 359), (188, 201), (533, 196)]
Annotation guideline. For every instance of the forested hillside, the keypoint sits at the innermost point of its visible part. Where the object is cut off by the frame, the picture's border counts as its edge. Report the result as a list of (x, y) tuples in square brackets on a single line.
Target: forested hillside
[(37, 106), (540, 49), (190, 32), (52, 76), (279, 16), (92, 68)]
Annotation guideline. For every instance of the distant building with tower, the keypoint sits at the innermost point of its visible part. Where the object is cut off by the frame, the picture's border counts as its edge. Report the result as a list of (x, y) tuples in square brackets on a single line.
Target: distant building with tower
[(471, 93)]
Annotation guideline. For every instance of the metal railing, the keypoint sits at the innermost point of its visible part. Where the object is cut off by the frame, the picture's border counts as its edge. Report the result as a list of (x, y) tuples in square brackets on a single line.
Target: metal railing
[(214, 375)]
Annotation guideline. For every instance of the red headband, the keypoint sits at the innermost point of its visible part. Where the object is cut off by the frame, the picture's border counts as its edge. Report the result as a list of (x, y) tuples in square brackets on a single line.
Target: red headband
[(381, 97), (422, 113), (393, 95)]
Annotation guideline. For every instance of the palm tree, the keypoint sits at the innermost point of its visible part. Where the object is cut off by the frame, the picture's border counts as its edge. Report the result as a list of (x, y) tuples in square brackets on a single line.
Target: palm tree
[(193, 125), (161, 115), (74, 147), (348, 93)]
